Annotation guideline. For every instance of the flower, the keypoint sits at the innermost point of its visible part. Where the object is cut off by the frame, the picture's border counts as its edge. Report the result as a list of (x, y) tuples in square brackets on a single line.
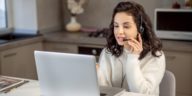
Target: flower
[(75, 6)]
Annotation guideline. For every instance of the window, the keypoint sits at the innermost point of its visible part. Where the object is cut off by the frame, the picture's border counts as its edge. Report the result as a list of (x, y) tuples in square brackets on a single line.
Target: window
[(3, 20)]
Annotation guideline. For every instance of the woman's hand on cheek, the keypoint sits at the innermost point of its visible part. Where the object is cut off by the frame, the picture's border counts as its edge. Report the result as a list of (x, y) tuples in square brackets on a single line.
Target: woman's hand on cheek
[(134, 46)]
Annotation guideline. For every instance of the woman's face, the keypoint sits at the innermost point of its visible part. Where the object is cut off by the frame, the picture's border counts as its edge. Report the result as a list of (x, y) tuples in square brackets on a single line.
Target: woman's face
[(124, 27)]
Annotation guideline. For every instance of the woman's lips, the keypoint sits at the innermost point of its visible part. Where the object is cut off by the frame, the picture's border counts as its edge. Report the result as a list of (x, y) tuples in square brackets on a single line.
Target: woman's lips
[(120, 38)]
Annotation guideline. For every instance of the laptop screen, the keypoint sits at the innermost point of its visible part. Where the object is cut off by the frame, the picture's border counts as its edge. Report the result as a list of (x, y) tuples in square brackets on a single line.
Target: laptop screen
[(64, 74)]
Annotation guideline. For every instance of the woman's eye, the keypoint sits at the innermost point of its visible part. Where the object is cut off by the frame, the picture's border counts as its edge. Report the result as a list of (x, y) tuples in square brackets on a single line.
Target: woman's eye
[(116, 26), (126, 27)]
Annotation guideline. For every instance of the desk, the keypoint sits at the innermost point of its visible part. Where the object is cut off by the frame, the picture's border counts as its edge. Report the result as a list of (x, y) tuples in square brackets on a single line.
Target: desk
[(32, 89)]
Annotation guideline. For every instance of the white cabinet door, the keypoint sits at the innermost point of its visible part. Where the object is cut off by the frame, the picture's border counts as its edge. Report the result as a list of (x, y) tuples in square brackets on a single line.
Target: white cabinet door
[(20, 61)]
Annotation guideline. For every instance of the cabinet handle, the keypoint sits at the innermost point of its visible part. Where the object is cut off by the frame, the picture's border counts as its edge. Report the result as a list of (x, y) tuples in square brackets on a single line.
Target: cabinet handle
[(94, 51), (9, 55)]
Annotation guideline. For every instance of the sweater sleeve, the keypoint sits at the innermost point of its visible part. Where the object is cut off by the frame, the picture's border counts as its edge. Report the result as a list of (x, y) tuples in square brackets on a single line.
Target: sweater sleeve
[(147, 79), (104, 71)]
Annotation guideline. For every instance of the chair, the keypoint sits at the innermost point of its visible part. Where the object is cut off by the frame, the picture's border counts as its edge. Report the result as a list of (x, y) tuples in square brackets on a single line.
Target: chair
[(168, 84)]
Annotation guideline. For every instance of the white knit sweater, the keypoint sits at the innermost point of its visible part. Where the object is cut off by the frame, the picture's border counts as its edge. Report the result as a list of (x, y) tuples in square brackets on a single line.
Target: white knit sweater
[(141, 76)]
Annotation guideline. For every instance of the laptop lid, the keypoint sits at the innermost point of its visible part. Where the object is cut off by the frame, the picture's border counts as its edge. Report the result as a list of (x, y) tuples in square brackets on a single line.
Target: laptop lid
[(64, 74)]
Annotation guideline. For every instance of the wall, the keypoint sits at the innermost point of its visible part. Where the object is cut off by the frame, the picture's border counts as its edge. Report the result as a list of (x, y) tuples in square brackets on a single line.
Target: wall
[(98, 12), (32, 16), (49, 15)]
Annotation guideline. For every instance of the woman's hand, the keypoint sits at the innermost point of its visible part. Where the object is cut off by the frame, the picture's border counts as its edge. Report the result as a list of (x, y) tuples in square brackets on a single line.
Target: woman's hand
[(133, 45), (97, 67)]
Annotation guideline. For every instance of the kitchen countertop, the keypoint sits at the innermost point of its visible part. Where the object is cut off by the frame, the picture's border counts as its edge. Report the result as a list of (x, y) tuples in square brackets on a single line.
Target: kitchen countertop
[(74, 38), (62, 37), (20, 42)]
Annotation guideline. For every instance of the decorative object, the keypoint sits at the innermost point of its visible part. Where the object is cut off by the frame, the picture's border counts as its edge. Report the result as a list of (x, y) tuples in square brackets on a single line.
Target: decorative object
[(75, 8), (73, 25), (188, 3), (176, 5)]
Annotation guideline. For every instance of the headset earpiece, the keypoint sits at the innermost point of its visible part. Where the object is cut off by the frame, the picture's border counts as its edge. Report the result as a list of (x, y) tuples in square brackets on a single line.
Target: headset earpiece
[(141, 28)]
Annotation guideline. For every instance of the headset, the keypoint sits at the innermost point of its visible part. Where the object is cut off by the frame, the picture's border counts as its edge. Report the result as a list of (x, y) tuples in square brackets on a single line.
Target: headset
[(141, 28)]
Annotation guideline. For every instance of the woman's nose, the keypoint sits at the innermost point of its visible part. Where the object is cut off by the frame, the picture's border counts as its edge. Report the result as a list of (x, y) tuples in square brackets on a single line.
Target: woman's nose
[(121, 31)]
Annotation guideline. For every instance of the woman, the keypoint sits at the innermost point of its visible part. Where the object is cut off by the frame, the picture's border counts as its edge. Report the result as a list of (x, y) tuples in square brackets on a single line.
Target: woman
[(133, 58)]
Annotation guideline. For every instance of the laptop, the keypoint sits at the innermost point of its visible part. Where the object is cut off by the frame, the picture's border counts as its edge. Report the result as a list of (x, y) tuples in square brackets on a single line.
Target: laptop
[(65, 74)]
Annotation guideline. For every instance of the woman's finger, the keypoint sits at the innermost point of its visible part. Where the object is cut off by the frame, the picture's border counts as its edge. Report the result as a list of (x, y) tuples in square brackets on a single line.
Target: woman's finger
[(140, 39), (136, 46), (136, 42), (131, 48), (137, 49)]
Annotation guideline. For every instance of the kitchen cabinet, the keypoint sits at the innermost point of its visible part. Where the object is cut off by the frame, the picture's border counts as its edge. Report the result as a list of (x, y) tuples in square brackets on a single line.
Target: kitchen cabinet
[(179, 61), (91, 50), (19, 61), (60, 47), (74, 48)]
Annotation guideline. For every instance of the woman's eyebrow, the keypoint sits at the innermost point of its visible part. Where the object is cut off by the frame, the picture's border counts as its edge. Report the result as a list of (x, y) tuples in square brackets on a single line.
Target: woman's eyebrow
[(115, 23), (126, 23)]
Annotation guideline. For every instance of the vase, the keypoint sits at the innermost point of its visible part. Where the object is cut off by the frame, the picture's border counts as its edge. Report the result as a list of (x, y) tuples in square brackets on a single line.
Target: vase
[(73, 25)]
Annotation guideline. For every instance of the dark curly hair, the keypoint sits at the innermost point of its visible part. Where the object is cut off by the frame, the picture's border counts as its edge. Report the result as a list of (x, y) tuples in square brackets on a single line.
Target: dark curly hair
[(150, 41)]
